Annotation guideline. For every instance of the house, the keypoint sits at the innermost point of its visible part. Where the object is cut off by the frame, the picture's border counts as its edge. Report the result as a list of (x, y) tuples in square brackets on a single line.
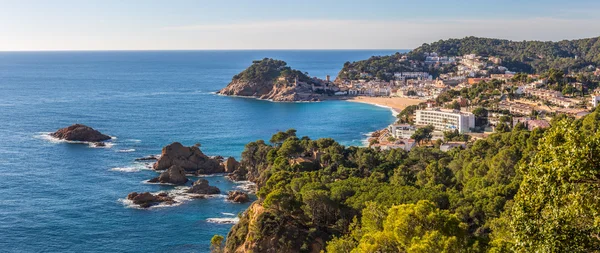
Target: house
[(536, 123), (402, 131), (404, 144), (449, 145), (515, 108), (595, 100)]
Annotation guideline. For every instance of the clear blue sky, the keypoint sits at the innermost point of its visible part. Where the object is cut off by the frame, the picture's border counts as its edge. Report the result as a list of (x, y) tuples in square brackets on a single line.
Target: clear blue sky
[(283, 24)]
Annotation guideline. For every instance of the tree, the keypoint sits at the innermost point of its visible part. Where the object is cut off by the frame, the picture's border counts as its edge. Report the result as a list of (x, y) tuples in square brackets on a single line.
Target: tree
[(419, 227), (216, 244), (423, 133), (278, 138), (557, 207)]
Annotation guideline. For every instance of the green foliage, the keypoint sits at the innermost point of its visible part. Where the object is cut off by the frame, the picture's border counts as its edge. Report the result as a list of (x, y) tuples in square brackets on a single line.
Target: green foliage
[(420, 227), (267, 70), (423, 134), (557, 207), (365, 200), (407, 114), (216, 244), (522, 56)]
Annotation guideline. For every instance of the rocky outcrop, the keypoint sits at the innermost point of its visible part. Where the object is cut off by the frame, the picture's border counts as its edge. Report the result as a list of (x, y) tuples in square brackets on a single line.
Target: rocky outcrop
[(273, 80), (191, 159), (147, 199), (262, 229), (174, 175), (202, 187), (79, 132), (238, 197), (230, 165)]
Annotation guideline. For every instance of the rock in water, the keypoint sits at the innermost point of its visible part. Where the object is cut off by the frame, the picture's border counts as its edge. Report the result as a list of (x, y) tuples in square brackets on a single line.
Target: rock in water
[(273, 80), (191, 159), (201, 187), (147, 199), (230, 165), (238, 197), (79, 132), (174, 175)]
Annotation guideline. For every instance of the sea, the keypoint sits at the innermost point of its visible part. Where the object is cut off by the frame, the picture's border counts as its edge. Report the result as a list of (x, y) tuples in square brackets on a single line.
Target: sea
[(69, 197)]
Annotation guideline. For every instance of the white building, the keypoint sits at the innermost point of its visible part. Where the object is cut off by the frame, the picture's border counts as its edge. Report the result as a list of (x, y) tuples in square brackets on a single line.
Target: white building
[(595, 100), (402, 131), (446, 120)]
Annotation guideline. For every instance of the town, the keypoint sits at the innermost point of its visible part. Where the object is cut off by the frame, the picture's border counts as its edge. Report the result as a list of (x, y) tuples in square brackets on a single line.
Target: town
[(470, 97)]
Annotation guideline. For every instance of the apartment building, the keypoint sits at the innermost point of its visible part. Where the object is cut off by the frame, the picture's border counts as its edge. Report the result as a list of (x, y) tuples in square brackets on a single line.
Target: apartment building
[(446, 120)]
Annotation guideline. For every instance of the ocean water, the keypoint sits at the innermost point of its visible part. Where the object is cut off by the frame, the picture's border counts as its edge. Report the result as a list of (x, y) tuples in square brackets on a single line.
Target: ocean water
[(62, 197)]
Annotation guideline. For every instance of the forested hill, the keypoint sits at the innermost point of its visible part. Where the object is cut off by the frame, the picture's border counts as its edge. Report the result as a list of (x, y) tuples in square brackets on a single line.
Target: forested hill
[(525, 56), (515, 191)]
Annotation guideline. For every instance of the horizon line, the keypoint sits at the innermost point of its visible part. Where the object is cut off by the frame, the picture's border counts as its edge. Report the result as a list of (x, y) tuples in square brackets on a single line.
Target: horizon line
[(188, 50)]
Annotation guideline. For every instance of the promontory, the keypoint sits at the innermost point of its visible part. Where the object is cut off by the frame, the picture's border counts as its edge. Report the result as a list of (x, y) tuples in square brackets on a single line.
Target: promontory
[(273, 80)]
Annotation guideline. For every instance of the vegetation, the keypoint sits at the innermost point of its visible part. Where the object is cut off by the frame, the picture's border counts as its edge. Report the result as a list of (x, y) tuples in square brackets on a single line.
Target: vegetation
[(522, 56), (268, 70), (407, 114), (516, 190)]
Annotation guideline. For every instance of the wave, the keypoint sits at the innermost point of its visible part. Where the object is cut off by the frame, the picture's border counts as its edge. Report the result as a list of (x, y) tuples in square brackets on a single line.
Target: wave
[(223, 220), (134, 168), (103, 145), (211, 175), (246, 186), (126, 150), (228, 214)]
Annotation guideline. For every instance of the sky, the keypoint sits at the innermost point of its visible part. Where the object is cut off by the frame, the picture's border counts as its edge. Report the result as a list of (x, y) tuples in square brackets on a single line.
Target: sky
[(33, 25)]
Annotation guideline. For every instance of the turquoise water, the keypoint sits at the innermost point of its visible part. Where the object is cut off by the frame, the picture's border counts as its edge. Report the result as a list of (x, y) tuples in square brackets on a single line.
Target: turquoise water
[(60, 197)]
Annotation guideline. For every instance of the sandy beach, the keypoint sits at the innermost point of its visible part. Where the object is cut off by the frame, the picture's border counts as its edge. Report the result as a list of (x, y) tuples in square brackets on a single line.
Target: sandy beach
[(396, 104)]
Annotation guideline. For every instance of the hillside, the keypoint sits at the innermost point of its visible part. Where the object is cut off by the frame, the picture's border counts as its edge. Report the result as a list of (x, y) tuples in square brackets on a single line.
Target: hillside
[(522, 56), (518, 56), (515, 191), (273, 80)]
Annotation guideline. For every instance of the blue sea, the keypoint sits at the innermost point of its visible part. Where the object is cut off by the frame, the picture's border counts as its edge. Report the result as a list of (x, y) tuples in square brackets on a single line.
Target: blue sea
[(63, 197)]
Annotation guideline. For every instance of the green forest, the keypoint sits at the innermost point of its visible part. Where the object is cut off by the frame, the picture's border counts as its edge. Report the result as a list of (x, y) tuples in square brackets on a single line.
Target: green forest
[(519, 56), (522, 56), (267, 70), (515, 191)]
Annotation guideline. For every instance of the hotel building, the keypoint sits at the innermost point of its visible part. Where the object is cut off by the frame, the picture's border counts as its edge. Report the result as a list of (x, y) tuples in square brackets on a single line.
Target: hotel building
[(445, 120)]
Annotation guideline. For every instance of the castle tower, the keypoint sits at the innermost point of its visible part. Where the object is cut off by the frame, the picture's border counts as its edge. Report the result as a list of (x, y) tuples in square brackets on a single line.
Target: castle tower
[(327, 78)]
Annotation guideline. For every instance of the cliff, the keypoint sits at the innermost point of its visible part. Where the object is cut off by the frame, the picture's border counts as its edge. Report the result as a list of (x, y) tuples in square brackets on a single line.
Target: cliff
[(273, 80), (262, 229)]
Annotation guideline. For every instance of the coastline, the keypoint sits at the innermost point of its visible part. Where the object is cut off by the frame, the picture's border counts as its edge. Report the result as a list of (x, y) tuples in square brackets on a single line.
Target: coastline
[(395, 104)]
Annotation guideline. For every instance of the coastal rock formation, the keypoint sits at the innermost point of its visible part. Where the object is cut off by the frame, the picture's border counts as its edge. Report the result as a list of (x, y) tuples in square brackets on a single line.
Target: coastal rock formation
[(191, 159), (147, 199), (202, 187), (174, 175), (238, 197), (273, 80), (230, 165), (261, 229), (79, 132)]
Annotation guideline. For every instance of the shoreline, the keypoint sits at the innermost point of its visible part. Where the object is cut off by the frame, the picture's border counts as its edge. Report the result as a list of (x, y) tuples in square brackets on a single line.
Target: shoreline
[(395, 104)]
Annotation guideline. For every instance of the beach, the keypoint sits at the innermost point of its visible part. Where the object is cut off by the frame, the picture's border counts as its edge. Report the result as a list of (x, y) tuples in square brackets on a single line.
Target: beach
[(396, 104)]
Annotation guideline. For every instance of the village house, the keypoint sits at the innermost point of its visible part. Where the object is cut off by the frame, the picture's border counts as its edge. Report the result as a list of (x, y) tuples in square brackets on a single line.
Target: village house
[(515, 108), (402, 131)]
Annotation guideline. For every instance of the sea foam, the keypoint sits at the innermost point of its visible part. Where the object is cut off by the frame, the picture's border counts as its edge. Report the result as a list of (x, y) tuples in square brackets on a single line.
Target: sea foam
[(223, 220)]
